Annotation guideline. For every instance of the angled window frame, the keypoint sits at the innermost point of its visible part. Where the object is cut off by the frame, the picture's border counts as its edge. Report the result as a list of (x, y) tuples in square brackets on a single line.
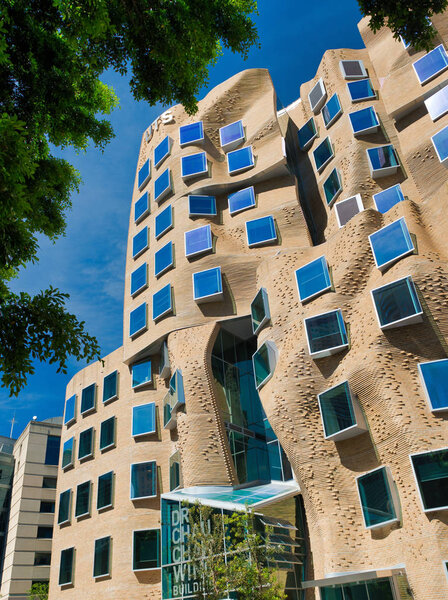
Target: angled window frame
[(61, 583), (392, 489), (143, 462), (198, 140), (147, 382), (154, 416), (203, 171), (202, 214), (378, 194), (159, 234), (92, 408), (425, 388), (332, 349), (166, 190), (433, 110), (169, 265), (263, 294), (112, 491), (235, 142), (144, 327), (335, 117), (159, 550), (188, 234), (138, 219), (141, 184), (347, 76), (72, 419), (425, 58), (168, 310), (109, 556), (117, 381), (65, 521), (272, 355), (136, 292), (417, 317), (407, 237), (366, 130), (167, 153), (309, 142), (359, 204), (326, 273), (327, 142), (113, 443), (382, 171), (213, 297), (323, 97), (245, 167), (264, 241), (443, 161), (88, 513), (92, 444), (330, 202), (139, 252), (359, 423), (419, 492), (363, 98), (65, 466), (253, 200)]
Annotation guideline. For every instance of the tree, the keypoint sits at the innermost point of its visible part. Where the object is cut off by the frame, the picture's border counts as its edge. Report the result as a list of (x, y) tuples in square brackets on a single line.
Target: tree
[(409, 18), (38, 591), (52, 54)]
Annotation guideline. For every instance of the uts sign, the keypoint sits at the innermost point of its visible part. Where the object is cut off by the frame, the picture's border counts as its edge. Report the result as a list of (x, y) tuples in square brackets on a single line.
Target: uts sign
[(166, 117)]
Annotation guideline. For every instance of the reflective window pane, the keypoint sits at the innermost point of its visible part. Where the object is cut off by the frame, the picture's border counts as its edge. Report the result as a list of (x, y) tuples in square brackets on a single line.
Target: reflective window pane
[(88, 398), (141, 373), (261, 231), (396, 302), (376, 498), (437, 104), (431, 65), (337, 409), (391, 243), (64, 510), (361, 90), (346, 209), (66, 566), (207, 283), (107, 433), (259, 310), (307, 133), (140, 242), (364, 121), (382, 157), (352, 69), (317, 96), (313, 279), (194, 164), (162, 150), (164, 221), (331, 111), (52, 450), (162, 302), (163, 259), (110, 386), (85, 445), (146, 549), (82, 506), (105, 490), (143, 480), (387, 198), (68, 452), (262, 365), (434, 376), (240, 160), (193, 132), (431, 472), (101, 557), (70, 409), (323, 154), (144, 174), (326, 332), (162, 185), (231, 134), (137, 320), (241, 200), (144, 419), (332, 187), (440, 141), (139, 279), (202, 205), (141, 207), (198, 240)]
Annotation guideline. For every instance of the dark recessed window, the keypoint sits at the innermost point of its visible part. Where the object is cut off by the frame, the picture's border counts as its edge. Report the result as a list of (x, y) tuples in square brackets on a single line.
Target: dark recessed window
[(42, 559), (146, 550), (46, 506), (101, 562), (44, 532), (66, 566), (52, 451), (105, 490)]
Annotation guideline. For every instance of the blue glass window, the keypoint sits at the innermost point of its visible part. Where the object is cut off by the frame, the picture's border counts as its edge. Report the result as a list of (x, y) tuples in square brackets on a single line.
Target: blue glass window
[(331, 111), (264, 362), (336, 408), (198, 241), (70, 410), (383, 160), (364, 121), (202, 205), (323, 154), (162, 303), (140, 242), (141, 374), (110, 387), (431, 473), (332, 187), (207, 285), (326, 334), (307, 133), (144, 174), (377, 502), (139, 279), (397, 304), (107, 433), (346, 209), (137, 320), (437, 104), (143, 480), (52, 450), (431, 65), (85, 446), (68, 453), (65, 501), (434, 376), (352, 69), (387, 198), (391, 243), (162, 150), (141, 208), (162, 185), (440, 141), (259, 310), (144, 419), (240, 160), (261, 231), (188, 134), (317, 96), (88, 399), (164, 221), (146, 550), (313, 279), (194, 164), (163, 259), (361, 90), (231, 134), (241, 200)]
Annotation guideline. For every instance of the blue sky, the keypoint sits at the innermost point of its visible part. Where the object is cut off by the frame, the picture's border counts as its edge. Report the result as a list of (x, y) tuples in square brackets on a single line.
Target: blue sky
[(89, 261)]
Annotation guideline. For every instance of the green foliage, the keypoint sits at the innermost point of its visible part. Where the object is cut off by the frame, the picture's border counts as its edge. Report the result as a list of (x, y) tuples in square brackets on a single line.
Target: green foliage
[(408, 18), (38, 591)]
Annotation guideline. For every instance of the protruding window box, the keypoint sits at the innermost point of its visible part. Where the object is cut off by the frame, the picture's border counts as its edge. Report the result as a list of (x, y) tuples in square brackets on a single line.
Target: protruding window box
[(352, 69), (164, 259), (163, 186), (141, 374), (231, 135), (323, 154), (434, 376), (110, 387), (259, 310), (202, 206), (66, 567), (440, 143), (83, 500), (140, 243), (146, 550), (307, 133), (313, 279), (70, 410), (431, 65), (241, 200), (144, 174), (388, 198), (207, 285), (332, 187), (88, 399), (139, 279), (317, 96), (173, 400), (193, 133), (141, 208), (162, 303), (383, 161), (102, 555), (364, 121), (264, 362), (138, 322), (261, 231), (431, 473), (346, 209), (105, 491), (86, 444), (361, 90), (331, 111), (342, 417), (437, 104), (65, 507), (194, 165), (143, 480), (164, 221), (143, 420), (68, 453), (107, 434), (162, 151), (164, 366), (326, 334), (378, 497), (240, 160), (198, 241), (397, 304), (391, 243)]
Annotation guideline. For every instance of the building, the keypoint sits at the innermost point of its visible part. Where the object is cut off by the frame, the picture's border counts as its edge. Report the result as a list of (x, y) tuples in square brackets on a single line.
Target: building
[(6, 475), (284, 340), (33, 494)]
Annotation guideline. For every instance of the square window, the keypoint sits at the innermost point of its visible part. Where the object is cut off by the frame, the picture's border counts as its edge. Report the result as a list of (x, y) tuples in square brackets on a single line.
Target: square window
[(317, 96), (313, 279), (107, 434), (364, 121), (391, 243), (82, 506), (164, 221), (104, 497), (326, 334), (139, 279), (194, 164), (101, 560), (347, 209), (231, 135), (201, 206), (259, 310), (387, 198), (88, 399), (44, 532), (332, 187), (352, 69), (431, 473), (162, 302), (143, 480), (42, 559), (264, 362), (434, 376), (240, 160), (207, 285), (163, 259), (261, 231), (307, 133), (137, 320), (141, 208), (437, 104), (340, 413), (85, 447), (431, 65), (49, 483), (190, 134), (140, 242), (144, 174), (331, 111), (241, 200), (323, 154), (198, 241), (396, 304), (440, 142), (70, 410), (162, 186), (379, 501), (52, 450), (144, 419), (68, 453), (64, 510), (141, 374), (146, 550), (162, 150), (383, 161), (361, 90), (46, 506), (110, 387), (66, 566)]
